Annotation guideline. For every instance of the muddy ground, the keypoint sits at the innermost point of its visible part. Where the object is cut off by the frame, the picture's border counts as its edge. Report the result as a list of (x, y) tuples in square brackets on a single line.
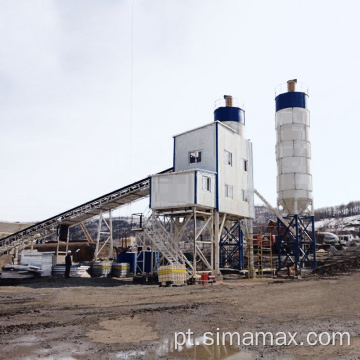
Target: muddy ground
[(112, 319)]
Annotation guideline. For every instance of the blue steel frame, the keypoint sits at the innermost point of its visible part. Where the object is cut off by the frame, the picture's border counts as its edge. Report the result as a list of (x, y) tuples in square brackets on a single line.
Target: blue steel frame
[(232, 247), (296, 247)]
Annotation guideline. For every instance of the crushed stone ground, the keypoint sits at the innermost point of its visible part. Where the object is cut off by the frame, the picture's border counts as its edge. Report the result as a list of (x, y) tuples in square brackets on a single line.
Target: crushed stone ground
[(112, 319)]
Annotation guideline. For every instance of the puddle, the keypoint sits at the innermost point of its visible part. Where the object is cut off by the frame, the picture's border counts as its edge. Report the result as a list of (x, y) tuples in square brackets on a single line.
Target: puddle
[(24, 340), (53, 358), (130, 355), (196, 349), (31, 347)]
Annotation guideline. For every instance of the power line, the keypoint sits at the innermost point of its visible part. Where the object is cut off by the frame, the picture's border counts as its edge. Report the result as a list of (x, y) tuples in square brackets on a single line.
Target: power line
[(131, 84)]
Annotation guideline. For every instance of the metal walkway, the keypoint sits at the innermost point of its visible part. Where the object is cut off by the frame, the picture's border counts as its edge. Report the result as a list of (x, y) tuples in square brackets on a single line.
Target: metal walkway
[(77, 215)]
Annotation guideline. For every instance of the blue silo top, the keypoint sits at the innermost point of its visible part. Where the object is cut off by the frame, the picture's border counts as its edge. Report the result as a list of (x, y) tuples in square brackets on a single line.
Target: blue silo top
[(291, 99), (229, 113)]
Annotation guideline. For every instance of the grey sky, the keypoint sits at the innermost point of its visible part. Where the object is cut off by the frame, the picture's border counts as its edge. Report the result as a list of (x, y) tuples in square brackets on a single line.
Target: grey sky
[(67, 131)]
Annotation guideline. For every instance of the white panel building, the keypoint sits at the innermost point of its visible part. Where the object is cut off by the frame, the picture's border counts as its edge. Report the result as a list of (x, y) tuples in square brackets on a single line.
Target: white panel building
[(212, 168), (183, 189)]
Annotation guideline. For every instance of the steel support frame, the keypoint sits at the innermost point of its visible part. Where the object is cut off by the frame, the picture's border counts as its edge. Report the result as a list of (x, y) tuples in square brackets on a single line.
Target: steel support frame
[(104, 236), (232, 246), (223, 238), (199, 258), (296, 241), (172, 226), (86, 233)]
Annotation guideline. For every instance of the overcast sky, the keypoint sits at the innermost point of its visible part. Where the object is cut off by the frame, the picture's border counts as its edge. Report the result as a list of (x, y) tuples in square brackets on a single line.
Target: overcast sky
[(68, 130)]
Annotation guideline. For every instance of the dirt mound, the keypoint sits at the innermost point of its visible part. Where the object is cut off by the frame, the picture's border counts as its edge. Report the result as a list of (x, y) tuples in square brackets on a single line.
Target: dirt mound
[(344, 261)]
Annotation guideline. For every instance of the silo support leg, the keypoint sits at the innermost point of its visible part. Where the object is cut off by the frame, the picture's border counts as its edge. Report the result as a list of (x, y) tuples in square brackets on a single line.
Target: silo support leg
[(217, 244)]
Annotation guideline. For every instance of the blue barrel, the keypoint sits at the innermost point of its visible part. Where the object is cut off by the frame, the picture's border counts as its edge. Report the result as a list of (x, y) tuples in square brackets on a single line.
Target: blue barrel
[(144, 260), (148, 260), (128, 257)]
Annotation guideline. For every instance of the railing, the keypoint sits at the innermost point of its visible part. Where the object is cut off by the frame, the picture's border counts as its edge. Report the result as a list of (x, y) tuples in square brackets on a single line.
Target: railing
[(235, 103), (299, 87)]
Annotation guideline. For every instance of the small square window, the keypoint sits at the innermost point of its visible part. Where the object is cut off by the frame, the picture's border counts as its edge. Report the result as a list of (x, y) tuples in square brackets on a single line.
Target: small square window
[(245, 195), (227, 158), (206, 183), (195, 156), (229, 191)]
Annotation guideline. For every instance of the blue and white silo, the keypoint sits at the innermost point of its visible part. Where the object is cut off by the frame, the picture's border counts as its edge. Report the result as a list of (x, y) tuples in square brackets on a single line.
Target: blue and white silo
[(296, 235), (293, 151)]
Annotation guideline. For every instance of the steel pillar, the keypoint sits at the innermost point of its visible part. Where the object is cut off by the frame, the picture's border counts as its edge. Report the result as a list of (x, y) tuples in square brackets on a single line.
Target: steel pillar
[(105, 236), (296, 244)]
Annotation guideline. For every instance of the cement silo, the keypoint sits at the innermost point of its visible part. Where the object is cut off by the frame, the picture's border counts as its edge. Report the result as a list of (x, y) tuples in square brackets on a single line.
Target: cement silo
[(293, 151), (296, 231)]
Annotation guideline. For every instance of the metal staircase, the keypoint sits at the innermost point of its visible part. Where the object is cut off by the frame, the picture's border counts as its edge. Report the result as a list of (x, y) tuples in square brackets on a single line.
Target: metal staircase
[(162, 241)]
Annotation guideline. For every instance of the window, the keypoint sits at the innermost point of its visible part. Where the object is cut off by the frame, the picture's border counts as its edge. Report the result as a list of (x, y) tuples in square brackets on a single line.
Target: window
[(244, 195), (229, 191), (227, 158), (244, 164), (195, 156), (206, 183)]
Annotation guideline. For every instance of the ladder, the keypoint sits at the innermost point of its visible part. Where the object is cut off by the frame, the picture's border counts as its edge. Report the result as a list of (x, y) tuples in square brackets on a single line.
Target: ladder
[(264, 263)]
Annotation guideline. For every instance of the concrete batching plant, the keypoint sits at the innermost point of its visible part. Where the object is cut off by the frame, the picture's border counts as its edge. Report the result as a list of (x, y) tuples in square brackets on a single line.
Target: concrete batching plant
[(211, 185), (206, 199)]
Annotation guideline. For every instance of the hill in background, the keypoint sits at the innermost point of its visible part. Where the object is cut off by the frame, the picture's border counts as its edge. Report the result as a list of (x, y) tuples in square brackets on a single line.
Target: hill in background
[(340, 219)]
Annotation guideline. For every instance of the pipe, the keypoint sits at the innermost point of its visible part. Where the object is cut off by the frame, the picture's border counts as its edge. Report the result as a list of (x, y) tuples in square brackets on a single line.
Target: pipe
[(228, 100), (291, 85)]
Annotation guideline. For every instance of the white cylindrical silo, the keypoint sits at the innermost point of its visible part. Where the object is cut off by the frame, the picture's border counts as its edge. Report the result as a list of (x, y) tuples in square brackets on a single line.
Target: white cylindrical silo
[(293, 151)]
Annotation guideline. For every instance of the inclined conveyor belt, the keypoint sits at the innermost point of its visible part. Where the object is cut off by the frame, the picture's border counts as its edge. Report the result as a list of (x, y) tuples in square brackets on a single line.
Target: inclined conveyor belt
[(112, 200)]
